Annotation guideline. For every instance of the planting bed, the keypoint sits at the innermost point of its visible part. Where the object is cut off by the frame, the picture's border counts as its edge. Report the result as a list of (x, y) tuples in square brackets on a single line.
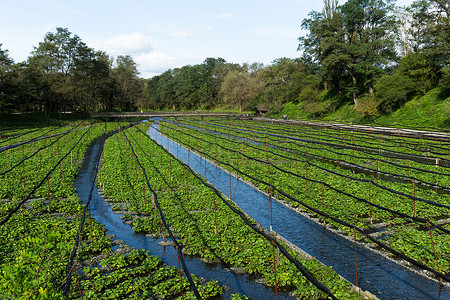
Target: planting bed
[(390, 193), (45, 251), (403, 218)]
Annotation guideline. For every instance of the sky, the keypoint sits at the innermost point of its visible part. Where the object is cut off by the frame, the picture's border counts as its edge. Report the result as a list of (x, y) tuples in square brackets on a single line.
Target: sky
[(163, 34)]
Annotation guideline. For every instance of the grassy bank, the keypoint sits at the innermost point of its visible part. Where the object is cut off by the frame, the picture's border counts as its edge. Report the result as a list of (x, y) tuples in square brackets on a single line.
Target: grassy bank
[(431, 110)]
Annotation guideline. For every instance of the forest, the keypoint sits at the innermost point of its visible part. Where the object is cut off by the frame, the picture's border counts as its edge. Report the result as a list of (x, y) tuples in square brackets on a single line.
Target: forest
[(370, 53)]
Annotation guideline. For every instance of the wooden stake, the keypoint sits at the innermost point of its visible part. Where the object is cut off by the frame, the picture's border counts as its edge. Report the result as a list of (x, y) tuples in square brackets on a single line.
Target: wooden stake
[(23, 225), (437, 173), (275, 270), (414, 184), (370, 200), (179, 269), (78, 283), (324, 225), (434, 249), (356, 262), (215, 213)]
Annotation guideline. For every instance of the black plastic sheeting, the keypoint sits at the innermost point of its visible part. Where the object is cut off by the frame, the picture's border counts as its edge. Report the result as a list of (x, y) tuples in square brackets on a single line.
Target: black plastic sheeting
[(283, 250), (163, 219), (382, 277), (421, 220), (101, 211), (42, 181)]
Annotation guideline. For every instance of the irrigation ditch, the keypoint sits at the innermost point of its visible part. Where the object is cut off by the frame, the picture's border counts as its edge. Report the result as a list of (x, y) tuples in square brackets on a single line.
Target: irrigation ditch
[(377, 273), (123, 234), (180, 180)]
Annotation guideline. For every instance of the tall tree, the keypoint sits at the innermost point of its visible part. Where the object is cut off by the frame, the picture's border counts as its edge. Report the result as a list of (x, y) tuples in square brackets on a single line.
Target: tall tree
[(7, 88), (355, 40), (369, 29), (55, 59), (432, 28), (325, 44), (238, 88), (129, 86)]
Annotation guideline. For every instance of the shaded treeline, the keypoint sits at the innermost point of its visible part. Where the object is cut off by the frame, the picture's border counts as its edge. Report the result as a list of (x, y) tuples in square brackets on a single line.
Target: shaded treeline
[(369, 52)]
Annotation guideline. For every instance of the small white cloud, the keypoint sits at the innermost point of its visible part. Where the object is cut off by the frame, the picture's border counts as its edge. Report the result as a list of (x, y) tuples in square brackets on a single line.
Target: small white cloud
[(181, 33), (224, 15), (128, 44), (274, 32), (157, 62)]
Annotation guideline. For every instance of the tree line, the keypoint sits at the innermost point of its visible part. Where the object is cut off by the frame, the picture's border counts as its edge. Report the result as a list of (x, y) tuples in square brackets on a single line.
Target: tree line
[(368, 52)]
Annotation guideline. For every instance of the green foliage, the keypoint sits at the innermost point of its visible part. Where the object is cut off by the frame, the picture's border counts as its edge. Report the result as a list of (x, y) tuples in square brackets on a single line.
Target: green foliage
[(393, 91), (238, 88), (431, 110), (190, 209)]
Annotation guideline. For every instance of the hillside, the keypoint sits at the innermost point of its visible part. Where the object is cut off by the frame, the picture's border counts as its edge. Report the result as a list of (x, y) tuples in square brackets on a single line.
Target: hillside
[(431, 110)]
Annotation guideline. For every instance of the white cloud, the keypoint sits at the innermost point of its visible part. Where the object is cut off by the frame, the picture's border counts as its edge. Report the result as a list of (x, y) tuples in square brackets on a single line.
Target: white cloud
[(224, 15), (181, 33), (275, 32), (157, 62), (134, 43)]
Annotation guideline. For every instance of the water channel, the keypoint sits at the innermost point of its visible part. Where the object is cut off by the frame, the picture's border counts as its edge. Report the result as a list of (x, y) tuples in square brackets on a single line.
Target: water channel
[(382, 277), (102, 212)]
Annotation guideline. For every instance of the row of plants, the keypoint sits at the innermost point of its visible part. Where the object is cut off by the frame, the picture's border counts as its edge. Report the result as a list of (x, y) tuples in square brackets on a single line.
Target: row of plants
[(36, 242), (10, 137), (312, 186), (393, 141), (292, 162), (21, 180), (202, 223), (430, 171)]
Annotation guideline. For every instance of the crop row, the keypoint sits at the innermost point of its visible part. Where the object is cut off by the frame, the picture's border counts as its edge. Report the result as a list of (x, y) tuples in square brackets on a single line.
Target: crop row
[(36, 241), (377, 161), (352, 138), (203, 224), (330, 190)]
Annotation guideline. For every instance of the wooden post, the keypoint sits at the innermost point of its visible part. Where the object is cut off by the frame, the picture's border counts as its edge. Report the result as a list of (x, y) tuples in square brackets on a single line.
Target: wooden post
[(90, 222), (323, 209), (434, 249), (370, 200), (48, 193), (437, 173), (229, 173), (23, 225), (179, 270), (306, 175), (215, 213), (275, 270), (414, 184), (356, 262), (78, 283), (205, 170)]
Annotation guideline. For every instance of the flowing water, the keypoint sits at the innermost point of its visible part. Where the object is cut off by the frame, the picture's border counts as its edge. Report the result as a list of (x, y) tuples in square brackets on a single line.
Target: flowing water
[(101, 211), (380, 276)]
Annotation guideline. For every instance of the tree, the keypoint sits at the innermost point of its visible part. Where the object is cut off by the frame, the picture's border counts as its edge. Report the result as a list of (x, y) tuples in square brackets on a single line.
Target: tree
[(129, 86), (325, 44), (432, 27), (352, 43), (7, 88), (55, 60), (283, 81), (369, 29), (238, 88)]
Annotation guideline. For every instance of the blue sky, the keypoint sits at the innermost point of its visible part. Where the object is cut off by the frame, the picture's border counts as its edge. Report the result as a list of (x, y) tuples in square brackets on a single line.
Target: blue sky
[(163, 34)]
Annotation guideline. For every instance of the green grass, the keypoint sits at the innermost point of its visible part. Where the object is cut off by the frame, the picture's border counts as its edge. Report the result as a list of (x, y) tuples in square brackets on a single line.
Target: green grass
[(431, 110)]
